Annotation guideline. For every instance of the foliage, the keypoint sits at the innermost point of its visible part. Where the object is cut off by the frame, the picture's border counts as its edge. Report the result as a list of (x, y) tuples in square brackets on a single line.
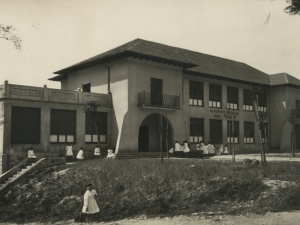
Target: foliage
[(293, 8), (6, 33), (131, 187)]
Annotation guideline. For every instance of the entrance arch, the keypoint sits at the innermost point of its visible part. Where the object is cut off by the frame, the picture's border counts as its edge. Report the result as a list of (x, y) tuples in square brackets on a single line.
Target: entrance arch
[(149, 134)]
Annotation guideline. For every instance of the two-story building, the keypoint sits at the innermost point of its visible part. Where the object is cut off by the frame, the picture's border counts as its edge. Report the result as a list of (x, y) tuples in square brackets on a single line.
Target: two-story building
[(133, 84)]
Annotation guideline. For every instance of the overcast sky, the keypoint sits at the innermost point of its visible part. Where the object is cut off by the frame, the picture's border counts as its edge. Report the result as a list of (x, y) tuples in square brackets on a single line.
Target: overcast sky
[(57, 34)]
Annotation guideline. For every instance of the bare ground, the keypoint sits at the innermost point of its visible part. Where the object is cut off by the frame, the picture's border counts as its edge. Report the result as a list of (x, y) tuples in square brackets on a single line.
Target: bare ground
[(282, 218)]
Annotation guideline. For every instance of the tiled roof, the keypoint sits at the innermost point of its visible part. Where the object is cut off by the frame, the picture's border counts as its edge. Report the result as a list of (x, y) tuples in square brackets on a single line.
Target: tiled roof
[(283, 78), (195, 62)]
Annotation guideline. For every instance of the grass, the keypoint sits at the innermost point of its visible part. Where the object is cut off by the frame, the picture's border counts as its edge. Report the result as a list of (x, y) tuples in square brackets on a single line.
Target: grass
[(132, 187)]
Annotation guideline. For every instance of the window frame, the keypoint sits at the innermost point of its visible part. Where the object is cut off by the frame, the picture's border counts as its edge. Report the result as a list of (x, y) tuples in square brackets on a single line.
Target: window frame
[(212, 99), (193, 130), (236, 132), (231, 104), (93, 135), (58, 136), (246, 136), (247, 107), (193, 85)]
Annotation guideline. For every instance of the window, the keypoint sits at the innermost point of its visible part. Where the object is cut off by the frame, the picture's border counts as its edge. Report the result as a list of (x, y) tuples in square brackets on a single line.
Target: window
[(196, 130), (233, 137), (86, 87), (25, 125), (196, 93), (264, 132), (262, 102), (215, 95), (90, 129), (248, 132), (248, 101), (62, 126), (232, 97)]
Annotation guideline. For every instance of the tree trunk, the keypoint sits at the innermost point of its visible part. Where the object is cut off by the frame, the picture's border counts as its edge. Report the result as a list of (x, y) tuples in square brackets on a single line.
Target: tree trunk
[(167, 144), (98, 136), (160, 137), (293, 141), (233, 150)]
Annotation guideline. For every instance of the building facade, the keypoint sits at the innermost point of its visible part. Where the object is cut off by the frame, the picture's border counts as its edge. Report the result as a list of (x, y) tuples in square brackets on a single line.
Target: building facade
[(134, 85)]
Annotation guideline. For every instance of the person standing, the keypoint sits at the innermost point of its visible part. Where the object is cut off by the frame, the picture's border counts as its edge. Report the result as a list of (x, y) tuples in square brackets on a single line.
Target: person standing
[(80, 154), (186, 149), (211, 149), (178, 149), (69, 153), (90, 205), (97, 152)]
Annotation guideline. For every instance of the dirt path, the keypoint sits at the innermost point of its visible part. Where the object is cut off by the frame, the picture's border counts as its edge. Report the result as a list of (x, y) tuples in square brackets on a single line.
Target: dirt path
[(283, 218)]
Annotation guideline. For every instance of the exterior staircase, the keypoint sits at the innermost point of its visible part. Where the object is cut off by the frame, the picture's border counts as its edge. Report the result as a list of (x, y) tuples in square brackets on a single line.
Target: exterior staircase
[(15, 173)]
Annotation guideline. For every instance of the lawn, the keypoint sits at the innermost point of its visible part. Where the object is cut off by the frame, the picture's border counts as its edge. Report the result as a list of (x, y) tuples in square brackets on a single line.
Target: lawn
[(132, 187)]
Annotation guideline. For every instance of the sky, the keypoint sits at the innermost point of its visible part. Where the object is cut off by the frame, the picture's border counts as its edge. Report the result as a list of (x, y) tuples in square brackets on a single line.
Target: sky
[(58, 33)]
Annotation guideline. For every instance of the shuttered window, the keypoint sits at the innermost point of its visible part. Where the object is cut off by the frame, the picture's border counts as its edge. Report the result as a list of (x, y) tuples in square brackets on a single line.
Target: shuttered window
[(262, 102), (248, 132), (248, 101), (196, 130), (215, 95), (264, 132), (233, 135), (25, 125), (90, 129), (196, 93), (232, 97), (62, 126)]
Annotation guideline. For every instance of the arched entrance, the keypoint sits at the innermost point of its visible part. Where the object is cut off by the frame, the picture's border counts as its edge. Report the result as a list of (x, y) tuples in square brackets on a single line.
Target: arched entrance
[(149, 135)]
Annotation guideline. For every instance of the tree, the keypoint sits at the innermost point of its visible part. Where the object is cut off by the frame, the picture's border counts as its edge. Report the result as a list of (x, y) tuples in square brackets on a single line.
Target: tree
[(91, 111), (260, 118), (293, 8), (6, 33), (294, 121)]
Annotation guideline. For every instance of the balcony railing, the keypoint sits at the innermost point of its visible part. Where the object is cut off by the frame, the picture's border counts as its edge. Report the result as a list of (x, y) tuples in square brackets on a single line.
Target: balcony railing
[(148, 99)]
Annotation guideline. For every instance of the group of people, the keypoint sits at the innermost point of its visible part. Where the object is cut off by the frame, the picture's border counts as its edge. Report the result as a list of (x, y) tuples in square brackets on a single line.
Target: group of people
[(80, 154), (180, 149), (211, 149), (208, 149)]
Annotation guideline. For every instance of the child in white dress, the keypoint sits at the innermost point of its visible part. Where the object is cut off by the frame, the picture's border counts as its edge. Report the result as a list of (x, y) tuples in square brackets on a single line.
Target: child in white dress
[(97, 152), (90, 205), (80, 154)]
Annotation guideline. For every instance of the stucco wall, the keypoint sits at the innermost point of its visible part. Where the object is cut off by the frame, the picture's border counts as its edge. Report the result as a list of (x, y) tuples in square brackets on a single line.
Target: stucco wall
[(98, 77), (282, 100)]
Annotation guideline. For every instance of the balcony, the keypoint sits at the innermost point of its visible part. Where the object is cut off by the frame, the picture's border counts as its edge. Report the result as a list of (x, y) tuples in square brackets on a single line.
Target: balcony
[(20, 92), (154, 100)]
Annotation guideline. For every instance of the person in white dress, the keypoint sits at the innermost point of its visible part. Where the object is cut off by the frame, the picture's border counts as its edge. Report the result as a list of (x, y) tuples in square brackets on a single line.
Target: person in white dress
[(221, 149), (69, 153), (186, 149), (97, 152), (80, 154), (205, 149), (110, 154), (31, 155), (90, 205), (225, 150), (211, 149), (178, 149)]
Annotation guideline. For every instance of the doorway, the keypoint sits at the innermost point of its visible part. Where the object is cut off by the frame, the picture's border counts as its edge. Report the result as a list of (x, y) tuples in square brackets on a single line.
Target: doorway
[(144, 139), (215, 127), (156, 91)]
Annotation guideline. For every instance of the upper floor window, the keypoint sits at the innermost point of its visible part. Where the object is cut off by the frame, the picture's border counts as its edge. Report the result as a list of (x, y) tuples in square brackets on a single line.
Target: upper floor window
[(62, 126), (232, 97), (247, 100), (248, 132), (86, 87), (215, 95), (25, 125), (196, 130), (196, 93), (90, 129), (262, 101)]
